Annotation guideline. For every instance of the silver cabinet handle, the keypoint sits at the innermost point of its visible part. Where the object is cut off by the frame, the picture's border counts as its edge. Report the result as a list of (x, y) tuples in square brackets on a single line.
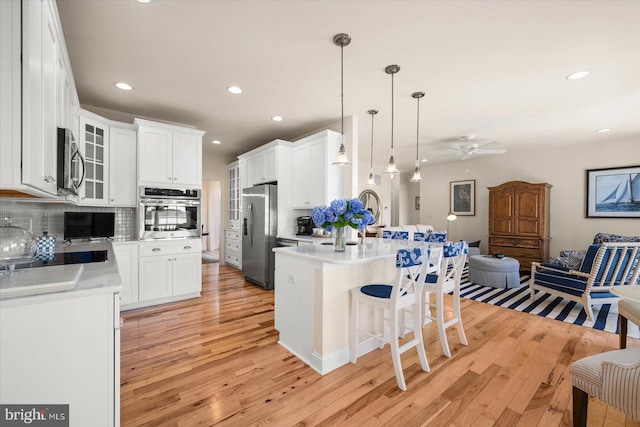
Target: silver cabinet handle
[(187, 247), (156, 250), (169, 178), (169, 259)]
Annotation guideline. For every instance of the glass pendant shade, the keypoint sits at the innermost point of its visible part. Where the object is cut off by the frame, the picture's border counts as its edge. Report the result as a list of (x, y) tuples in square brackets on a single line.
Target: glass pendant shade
[(371, 180), (416, 174), (342, 159), (342, 40)]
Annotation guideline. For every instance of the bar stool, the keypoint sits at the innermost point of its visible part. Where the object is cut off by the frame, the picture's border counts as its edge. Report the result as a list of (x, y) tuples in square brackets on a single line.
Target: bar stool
[(405, 292), (447, 280)]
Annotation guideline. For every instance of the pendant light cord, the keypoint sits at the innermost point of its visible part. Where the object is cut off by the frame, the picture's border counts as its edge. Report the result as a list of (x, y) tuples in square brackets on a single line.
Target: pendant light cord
[(417, 128), (371, 165), (342, 91), (392, 114)]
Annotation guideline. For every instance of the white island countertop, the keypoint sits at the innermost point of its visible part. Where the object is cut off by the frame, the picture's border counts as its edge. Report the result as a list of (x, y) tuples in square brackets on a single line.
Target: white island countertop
[(374, 249), (93, 278)]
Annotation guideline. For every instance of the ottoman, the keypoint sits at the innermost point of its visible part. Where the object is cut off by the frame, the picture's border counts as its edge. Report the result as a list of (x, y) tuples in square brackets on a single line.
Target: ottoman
[(486, 270)]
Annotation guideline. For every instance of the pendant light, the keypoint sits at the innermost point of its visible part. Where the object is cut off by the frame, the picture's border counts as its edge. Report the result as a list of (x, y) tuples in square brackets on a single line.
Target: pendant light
[(416, 172), (391, 169), (371, 181), (342, 40)]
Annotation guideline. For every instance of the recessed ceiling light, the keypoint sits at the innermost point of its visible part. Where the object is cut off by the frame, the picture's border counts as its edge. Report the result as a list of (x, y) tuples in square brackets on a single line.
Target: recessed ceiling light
[(123, 86), (603, 130), (215, 141), (577, 75), (143, 1), (234, 89), (277, 118), (424, 160)]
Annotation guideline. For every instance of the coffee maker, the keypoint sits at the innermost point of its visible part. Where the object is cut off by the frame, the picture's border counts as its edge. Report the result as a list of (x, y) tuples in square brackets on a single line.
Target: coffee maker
[(304, 226)]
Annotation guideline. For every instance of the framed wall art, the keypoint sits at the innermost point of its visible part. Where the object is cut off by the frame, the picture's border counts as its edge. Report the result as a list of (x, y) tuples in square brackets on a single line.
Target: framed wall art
[(613, 192), (463, 197)]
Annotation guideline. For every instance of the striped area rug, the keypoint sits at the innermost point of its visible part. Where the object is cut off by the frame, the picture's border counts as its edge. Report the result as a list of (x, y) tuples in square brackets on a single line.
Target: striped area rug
[(545, 305)]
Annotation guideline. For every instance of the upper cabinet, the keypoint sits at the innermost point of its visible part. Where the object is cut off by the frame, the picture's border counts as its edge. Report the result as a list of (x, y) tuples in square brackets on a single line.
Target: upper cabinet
[(264, 164), (123, 165), (315, 182), (94, 146), (39, 95), (168, 154)]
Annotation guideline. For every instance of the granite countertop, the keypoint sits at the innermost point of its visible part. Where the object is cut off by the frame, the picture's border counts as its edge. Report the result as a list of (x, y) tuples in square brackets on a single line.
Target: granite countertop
[(374, 249), (96, 277)]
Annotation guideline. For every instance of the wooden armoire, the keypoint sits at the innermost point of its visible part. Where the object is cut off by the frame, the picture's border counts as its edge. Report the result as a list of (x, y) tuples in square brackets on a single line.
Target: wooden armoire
[(519, 221)]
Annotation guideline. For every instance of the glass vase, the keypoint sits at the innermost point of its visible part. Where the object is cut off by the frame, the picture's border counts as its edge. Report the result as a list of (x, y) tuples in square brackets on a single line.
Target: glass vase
[(340, 243)]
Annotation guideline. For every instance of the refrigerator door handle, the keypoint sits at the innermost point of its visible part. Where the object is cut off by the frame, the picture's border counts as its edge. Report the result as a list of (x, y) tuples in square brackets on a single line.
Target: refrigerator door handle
[(251, 223)]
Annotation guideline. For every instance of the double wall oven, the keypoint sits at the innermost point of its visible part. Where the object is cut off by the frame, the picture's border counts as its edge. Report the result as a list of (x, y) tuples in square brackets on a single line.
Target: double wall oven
[(169, 213)]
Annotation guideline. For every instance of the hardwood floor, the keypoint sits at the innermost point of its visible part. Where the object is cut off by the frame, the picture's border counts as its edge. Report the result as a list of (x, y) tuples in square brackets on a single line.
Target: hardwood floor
[(215, 361)]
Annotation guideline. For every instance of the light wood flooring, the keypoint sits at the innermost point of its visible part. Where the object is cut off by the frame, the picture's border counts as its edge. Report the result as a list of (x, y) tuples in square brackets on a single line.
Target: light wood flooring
[(215, 361)]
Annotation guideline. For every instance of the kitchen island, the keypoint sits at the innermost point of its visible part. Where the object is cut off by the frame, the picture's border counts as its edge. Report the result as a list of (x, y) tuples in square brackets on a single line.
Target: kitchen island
[(60, 344), (312, 296)]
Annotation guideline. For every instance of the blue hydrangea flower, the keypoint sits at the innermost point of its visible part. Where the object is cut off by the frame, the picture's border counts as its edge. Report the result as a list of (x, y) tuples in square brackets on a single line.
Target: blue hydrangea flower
[(339, 206), (342, 213), (319, 216)]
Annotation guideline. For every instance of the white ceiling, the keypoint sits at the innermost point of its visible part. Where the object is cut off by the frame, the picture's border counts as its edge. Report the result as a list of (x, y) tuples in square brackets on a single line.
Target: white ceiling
[(494, 69)]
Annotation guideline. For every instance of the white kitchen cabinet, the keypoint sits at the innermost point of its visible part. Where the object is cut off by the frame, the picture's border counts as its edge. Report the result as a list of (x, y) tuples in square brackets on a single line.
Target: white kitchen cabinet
[(169, 271), (233, 248), (127, 254), (246, 176), (168, 154), (38, 95), (315, 182), (94, 146), (39, 79), (262, 165), (233, 194), (64, 350), (265, 166), (270, 163), (123, 165)]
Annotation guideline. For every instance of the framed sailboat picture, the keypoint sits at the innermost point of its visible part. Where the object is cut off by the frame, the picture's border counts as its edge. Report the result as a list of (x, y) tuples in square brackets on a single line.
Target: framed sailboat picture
[(613, 192)]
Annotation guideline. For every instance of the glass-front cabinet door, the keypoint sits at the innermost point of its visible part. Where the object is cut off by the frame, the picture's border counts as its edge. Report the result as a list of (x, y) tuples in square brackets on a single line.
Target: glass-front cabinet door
[(234, 194), (94, 137)]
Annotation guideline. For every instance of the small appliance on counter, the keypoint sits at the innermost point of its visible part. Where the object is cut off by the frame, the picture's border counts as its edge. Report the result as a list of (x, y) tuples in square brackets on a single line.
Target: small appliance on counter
[(304, 226)]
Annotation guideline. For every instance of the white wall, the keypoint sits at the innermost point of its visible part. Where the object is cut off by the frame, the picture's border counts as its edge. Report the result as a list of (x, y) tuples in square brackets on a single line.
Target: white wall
[(564, 168)]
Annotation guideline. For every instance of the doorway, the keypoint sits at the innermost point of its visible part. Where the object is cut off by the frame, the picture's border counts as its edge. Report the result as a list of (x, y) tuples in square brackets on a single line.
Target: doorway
[(211, 220)]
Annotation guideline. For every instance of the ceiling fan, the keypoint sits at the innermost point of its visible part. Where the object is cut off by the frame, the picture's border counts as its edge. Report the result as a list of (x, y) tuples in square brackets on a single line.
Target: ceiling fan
[(469, 148)]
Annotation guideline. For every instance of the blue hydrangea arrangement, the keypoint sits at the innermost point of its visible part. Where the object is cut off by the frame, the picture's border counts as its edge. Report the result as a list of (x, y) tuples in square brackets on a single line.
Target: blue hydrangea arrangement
[(342, 213)]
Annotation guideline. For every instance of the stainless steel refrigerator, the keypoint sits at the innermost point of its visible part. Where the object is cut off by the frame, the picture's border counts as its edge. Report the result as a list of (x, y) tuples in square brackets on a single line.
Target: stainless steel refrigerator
[(259, 225)]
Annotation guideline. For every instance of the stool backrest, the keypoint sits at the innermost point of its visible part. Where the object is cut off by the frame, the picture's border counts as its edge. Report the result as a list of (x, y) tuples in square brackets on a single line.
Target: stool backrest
[(395, 235), (454, 256), (434, 237), (410, 265)]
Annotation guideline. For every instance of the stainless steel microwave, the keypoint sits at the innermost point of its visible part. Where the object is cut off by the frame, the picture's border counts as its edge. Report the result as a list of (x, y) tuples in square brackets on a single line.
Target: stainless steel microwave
[(70, 163)]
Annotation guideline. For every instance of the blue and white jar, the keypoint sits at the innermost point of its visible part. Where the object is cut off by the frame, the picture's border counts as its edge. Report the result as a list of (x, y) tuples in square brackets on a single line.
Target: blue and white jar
[(45, 244)]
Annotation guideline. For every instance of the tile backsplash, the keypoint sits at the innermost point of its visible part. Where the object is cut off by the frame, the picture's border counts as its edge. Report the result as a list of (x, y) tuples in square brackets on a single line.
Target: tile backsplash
[(38, 216)]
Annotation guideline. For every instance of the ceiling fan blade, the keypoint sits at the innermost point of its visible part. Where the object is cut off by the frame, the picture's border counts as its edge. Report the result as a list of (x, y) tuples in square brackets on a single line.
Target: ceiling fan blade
[(465, 156), (489, 144), (497, 151), (453, 147)]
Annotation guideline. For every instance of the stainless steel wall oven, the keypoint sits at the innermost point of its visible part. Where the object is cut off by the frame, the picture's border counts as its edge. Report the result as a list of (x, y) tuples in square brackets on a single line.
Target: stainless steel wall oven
[(169, 213)]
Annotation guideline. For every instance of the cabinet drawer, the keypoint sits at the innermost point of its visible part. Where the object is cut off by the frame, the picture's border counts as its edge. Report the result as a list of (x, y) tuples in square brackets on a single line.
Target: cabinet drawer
[(232, 258), (162, 248), (517, 252), (233, 245), (232, 234), (522, 243)]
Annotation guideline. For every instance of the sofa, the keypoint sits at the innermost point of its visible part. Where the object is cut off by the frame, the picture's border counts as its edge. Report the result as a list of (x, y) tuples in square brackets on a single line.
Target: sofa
[(572, 259)]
